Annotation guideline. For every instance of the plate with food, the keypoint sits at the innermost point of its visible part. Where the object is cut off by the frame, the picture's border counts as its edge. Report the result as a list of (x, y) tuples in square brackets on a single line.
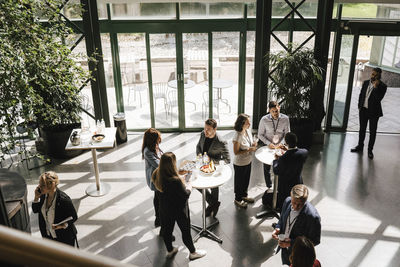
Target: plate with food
[(208, 169), (98, 137)]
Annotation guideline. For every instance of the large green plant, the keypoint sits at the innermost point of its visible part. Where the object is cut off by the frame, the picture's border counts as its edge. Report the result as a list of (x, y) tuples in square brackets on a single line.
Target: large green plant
[(294, 75), (39, 77)]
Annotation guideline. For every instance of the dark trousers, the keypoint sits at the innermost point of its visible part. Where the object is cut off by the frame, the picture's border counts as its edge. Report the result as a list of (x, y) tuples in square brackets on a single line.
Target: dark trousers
[(267, 175), (285, 253), (156, 203), (373, 125), (211, 195), (183, 221), (241, 180)]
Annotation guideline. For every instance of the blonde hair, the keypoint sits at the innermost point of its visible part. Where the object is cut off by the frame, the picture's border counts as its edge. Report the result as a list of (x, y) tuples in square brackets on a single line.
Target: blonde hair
[(166, 170), (47, 178), (299, 191)]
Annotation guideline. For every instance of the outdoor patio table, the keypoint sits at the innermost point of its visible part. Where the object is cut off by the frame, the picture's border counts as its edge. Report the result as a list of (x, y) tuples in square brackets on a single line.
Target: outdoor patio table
[(98, 189), (204, 182), (174, 84), (220, 84), (267, 155)]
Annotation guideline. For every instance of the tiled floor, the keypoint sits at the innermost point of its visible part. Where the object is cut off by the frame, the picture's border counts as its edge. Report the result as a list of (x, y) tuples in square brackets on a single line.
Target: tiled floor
[(357, 198)]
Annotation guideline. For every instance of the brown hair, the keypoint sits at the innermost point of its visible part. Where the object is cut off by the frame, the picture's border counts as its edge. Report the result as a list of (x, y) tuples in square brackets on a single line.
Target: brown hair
[(151, 139), (211, 122), (303, 252), (240, 121), (166, 170), (47, 178)]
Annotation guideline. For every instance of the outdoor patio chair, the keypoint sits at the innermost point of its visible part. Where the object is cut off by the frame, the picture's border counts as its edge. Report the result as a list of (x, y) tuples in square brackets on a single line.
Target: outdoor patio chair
[(160, 92), (206, 103), (172, 101)]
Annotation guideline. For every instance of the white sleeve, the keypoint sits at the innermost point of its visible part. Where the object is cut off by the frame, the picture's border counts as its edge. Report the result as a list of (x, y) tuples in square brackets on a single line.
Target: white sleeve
[(261, 132)]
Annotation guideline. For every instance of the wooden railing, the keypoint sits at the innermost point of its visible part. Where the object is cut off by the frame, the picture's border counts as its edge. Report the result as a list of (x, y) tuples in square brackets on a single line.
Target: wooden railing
[(20, 248)]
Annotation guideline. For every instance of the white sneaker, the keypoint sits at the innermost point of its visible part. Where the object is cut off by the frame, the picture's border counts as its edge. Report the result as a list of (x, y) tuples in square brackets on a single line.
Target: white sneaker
[(197, 254), (172, 252)]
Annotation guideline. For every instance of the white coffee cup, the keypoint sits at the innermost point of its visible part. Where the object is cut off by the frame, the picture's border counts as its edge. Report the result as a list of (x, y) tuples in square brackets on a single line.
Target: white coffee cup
[(281, 237)]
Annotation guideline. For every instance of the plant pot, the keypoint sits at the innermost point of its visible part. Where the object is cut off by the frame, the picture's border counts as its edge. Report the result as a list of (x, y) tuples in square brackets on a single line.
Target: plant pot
[(56, 139), (303, 128)]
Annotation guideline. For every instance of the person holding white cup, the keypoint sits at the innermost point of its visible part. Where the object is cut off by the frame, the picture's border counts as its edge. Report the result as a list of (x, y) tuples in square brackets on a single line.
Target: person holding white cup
[(243, 147)]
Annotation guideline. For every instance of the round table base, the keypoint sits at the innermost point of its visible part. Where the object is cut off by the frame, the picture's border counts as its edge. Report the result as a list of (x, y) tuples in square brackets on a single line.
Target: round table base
[(93, 192)]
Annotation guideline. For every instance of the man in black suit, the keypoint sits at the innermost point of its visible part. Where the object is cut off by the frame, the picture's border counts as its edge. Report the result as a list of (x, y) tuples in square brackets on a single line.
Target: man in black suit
[(369, 105), (288, 167), (217, 149)]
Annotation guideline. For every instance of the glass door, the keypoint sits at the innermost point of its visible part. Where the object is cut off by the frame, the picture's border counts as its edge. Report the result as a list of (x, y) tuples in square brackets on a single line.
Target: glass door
[(195, 69), (164, 80)]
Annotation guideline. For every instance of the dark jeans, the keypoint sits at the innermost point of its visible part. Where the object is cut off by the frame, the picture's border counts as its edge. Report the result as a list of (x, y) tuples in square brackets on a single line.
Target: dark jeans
[(211, 197), (241, 180), (373, 125), (267, 175), (183, 221)]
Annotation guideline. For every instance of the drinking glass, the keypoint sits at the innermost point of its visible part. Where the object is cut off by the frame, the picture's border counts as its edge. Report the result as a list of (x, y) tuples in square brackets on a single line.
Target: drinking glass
[(255, 138)]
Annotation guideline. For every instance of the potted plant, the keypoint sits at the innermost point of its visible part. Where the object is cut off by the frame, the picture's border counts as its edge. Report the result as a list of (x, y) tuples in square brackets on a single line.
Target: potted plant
[(39, 77), (294, 75)]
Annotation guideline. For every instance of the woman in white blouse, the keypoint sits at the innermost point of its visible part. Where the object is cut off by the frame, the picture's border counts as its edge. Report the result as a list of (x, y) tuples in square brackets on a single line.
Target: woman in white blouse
[(54, 206), (243, 148)]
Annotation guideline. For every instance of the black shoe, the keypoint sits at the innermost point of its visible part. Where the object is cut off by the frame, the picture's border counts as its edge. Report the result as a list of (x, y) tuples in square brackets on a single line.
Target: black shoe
[(356, 149), (370, 155), (209, 209), (216, 208)]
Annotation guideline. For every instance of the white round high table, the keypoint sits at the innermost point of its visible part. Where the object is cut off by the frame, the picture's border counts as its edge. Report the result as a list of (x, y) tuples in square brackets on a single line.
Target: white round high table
[(267, 155), (204, 182)]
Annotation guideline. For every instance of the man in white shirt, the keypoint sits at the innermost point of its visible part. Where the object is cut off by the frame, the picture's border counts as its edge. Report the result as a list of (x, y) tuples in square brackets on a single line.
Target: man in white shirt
[(370, 109), (271, 132)]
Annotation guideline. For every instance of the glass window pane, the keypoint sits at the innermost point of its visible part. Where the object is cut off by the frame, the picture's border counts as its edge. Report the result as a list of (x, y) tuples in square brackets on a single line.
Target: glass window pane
[(275, 45), (251, 10), (195, 65), (135, 90), (300, 37), (163, 69), (143, 10), (102, 10), (342, 80), (389, 50), (191, 10), (249, 86), (72, 10), (108, 72), (225, 76), (369, 10)]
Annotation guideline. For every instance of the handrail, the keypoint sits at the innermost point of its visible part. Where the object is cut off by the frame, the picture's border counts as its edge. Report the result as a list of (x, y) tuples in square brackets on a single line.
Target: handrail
[(17, 247)]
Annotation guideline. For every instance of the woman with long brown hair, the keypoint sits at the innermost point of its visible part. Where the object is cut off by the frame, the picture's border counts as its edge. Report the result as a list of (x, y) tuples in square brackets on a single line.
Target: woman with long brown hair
[(174, 205), (151, 153)]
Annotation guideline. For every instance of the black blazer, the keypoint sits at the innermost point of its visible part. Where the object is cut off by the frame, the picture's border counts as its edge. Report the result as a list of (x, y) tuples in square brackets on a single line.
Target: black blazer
[(289, 166), (63, 209), (218, 148), (374, 100), (174, 198)]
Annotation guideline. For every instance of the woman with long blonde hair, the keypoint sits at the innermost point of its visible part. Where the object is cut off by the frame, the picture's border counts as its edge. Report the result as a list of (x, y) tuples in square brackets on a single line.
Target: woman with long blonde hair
[(174, 205)]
